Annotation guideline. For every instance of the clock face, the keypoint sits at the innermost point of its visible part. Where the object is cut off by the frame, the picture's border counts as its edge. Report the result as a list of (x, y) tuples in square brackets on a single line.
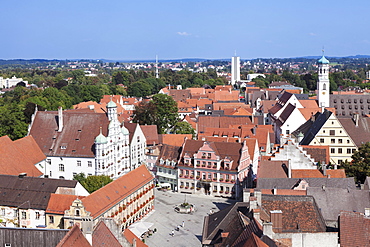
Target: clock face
[(323, 93)]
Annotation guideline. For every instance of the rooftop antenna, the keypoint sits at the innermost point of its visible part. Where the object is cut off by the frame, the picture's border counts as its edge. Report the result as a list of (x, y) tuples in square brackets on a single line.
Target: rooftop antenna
[(156, 67)]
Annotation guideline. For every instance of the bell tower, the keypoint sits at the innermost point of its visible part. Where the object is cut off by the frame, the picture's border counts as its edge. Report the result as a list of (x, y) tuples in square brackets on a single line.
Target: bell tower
[(323, 84)]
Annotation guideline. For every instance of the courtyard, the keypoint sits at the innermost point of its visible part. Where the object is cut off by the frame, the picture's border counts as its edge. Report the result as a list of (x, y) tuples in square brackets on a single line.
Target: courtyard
[(165, 220)]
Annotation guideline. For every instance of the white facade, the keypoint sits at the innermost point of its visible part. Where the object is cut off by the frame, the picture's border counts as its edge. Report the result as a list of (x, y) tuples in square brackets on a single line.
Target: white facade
[(67, 167), (112, 152), (7, 83), (323, 84), (137, 148), (235, 70)]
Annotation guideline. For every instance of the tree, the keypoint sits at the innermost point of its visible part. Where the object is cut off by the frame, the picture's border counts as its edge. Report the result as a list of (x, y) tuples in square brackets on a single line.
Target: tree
[(359, 167), (161, 111), (139, 89), (183, 128), (92, 183)]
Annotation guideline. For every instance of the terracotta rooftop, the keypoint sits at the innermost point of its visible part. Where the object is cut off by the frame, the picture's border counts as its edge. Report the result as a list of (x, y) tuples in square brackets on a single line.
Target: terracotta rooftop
[(273, 169), (74, 238), (103, 199), (338, 173), (102, 236), (287, 192), (58, 203), (221, 121), (150, 133), (174, 139), (130, 236), (354, 229), (306, 173), (20, 156)]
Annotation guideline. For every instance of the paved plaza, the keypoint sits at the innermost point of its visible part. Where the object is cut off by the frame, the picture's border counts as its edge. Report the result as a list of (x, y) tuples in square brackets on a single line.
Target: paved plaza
[(165, 219)]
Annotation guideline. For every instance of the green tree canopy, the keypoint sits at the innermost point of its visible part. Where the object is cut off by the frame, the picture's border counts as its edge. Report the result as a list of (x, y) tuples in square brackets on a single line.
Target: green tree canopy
[(92, 183), (360, 165), (183, 128), (161, 111)]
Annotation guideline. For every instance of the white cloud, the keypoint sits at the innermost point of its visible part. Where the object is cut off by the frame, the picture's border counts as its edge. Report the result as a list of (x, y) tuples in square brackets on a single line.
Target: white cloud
[(312, 34), (183, 33)]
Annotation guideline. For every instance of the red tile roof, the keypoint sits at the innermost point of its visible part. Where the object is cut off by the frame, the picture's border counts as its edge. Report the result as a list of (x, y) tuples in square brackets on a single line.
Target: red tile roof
[(103, 199), (151, 134), (284, 192), (74, 238), (130, 236), (272, 169), (318, 153), (306, 173), (338, 173), (102, 236), (20, 156), (254, 241), (58, 203), (77, 136), (174, 139), (354, 229)]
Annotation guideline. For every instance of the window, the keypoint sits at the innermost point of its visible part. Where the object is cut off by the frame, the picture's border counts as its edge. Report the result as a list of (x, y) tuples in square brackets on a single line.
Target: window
[(353, 150), (3, 211), (287, 132), (63, 147), (15, 213), (322, 140), (332, 132), (227, 189), (37, 215), (204, 175), (339, 150), (78, 162), (332, 140), (77, 212), (332, 150), (160, 169), (209, 175), (340, 161), (48, 161), (24, 215), (61, 167), (348, 150), (89, 163)]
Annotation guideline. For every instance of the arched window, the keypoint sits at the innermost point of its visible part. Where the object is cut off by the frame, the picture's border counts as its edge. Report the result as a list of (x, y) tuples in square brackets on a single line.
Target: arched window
[(61, 167), (324, 87)]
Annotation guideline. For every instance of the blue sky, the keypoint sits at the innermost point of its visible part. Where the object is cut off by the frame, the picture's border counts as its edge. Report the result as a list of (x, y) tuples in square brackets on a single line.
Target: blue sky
[(141, 29)]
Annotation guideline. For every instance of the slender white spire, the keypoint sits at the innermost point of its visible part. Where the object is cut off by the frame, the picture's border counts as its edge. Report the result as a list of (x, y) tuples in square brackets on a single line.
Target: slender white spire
[(156, 67)]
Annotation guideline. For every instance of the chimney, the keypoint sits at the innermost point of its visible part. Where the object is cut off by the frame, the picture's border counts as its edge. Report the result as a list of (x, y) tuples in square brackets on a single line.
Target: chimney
[(267, 229), (60, 119), (276, 217), (257, 215), (367, 212), (324, 169), (253, 203), (258, 195)]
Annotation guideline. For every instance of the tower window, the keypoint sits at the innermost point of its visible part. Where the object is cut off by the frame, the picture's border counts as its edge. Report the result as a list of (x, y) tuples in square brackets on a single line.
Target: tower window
[(324, 87)]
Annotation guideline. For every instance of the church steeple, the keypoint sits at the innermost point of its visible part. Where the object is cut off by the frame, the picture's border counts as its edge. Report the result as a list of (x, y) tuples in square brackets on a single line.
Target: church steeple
[(323, 84)]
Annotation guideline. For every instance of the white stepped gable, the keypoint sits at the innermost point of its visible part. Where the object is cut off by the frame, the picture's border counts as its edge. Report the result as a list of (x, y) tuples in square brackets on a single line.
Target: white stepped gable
[(299, 159)]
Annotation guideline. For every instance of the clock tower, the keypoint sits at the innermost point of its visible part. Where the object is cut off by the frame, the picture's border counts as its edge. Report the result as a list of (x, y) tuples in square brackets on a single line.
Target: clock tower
[(323, 84)]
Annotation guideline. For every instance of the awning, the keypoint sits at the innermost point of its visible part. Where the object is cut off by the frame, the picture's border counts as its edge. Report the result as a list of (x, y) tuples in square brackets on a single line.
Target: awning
[(139, 228)]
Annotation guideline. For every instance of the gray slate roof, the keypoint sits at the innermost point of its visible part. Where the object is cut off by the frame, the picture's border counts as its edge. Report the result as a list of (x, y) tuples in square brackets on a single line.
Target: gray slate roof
[(289, 183), (333, 200), (29, 192)]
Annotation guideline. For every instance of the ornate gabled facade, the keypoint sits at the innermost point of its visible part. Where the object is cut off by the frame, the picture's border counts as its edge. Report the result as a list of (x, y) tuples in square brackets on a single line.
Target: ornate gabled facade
[(112, 153), (82, 141), (213, 168)]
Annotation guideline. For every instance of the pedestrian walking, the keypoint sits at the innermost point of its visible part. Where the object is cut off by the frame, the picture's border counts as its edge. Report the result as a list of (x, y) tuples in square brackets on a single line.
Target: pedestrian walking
[(172, 233), (183, 224)]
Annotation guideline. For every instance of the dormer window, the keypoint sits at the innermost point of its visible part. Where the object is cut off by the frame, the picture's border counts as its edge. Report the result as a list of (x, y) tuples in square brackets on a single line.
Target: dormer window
[(63, 147), (77, 212)]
